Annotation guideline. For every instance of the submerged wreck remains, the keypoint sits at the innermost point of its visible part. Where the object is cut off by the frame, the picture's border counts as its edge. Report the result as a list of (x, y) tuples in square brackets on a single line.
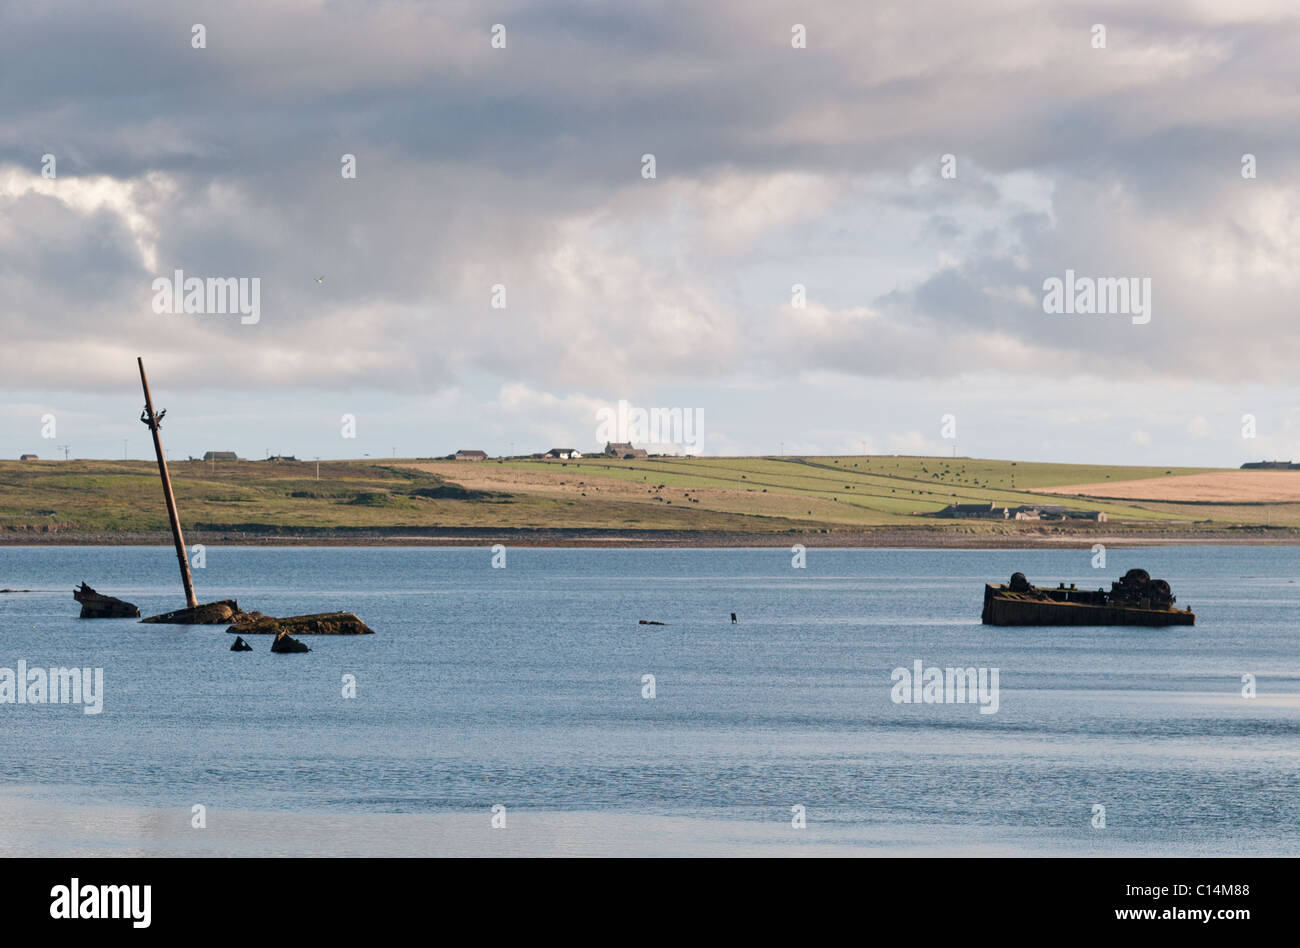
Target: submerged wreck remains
[(322, 623), (98, 606), (227, 611), (1136, 599), (209, 613)]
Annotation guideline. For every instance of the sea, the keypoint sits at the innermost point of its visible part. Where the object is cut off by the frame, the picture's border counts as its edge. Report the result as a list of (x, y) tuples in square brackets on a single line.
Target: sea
[(513, 703)]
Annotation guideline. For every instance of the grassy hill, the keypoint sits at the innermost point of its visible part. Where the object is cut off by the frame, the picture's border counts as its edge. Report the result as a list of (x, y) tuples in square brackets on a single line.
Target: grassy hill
[(735, 496)]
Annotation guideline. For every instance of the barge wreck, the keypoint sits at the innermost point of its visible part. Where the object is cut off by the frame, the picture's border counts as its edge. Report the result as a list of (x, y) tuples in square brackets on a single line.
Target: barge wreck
[(1135, 599)]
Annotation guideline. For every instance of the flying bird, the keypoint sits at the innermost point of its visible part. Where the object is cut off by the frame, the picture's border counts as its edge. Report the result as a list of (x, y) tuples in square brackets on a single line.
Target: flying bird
[(320, 279)]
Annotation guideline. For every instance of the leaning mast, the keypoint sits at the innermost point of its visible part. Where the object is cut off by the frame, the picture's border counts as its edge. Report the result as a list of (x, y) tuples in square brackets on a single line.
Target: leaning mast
[(153, 420)]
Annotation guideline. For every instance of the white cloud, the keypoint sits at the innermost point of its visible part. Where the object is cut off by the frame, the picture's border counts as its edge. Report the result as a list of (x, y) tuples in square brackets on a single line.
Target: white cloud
[(135, 201), (776, 166)]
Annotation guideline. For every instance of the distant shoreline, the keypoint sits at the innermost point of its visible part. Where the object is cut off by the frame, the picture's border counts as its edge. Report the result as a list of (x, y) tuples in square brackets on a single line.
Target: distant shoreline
[(879, 538), (688, 503)]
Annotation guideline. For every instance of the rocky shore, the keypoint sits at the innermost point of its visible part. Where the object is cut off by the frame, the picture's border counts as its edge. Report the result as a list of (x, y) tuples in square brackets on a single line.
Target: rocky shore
[(939, 537)]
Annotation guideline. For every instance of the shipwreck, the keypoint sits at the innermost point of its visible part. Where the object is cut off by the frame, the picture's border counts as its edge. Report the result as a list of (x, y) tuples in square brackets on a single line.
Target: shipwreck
[(1135, 599), (96, 605), (227, 611)]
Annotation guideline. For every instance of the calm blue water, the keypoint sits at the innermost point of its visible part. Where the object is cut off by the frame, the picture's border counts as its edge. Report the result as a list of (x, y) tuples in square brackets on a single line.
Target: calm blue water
[(523, 685)]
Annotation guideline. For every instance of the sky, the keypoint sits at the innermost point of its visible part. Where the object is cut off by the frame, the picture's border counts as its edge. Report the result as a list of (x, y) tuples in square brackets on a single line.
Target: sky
[(503, 267)]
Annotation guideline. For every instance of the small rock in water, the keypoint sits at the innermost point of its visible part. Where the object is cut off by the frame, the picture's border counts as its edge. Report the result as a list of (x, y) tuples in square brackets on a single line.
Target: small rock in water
[(284, 643), (651, 622), (239, 645)]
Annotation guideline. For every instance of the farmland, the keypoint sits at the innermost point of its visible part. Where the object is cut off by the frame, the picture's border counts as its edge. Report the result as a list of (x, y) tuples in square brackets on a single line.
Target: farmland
[(855, 499)]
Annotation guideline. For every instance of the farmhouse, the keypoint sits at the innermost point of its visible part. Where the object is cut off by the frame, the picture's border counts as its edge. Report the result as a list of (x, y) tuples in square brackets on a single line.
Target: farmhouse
[(565, 453), (464, 455), (1054, 512), (29, 457), (624, 449), (989, 511), (221, 456)]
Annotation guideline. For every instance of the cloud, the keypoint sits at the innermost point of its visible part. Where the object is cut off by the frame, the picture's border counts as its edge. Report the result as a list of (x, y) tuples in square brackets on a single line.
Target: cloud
[(521, 166)]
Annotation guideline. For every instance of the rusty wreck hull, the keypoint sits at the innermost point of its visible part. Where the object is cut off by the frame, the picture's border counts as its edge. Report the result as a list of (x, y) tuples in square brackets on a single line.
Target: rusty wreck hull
[(95, 605), (1003, 607), (208, 613), (321, 623)]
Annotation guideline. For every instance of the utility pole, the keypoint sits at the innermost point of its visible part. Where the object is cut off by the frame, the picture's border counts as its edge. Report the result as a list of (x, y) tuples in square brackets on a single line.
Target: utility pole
[(153, 420), (64, 448), (318, 469)]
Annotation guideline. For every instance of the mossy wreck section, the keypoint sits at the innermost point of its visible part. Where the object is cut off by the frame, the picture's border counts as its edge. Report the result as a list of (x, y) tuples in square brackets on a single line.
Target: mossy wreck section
[(321, 623), (208, 613)]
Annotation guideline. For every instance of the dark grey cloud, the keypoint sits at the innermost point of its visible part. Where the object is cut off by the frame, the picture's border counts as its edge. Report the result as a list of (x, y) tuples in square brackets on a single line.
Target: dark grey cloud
[(521, 166)]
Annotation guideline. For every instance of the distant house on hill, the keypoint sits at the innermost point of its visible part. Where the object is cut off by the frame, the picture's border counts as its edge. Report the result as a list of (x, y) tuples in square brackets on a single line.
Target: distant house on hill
[(989, 511), (221, 456), (1055, 512), (1270, 466), (29, 457), (471, 455), (282, 457), (624, 449), (565, 453)]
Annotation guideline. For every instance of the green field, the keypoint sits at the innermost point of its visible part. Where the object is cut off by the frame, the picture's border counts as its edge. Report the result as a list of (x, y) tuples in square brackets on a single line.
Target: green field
[(749, 495), (125, 497), (879, 490)]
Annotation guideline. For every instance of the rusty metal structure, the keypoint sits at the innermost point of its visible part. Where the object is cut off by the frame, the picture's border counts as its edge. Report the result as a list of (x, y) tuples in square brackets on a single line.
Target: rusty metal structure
[(95, 605), (227, 611), (1135, 599), (153, 420)]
